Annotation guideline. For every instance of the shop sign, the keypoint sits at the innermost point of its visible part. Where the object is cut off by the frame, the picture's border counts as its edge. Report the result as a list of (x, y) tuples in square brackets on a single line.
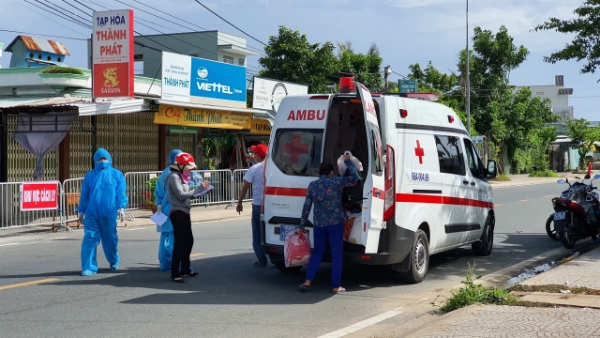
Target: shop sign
[(39, 196), (267, 94), (260, 127), (112, 53), (188, 79), (204, 118)]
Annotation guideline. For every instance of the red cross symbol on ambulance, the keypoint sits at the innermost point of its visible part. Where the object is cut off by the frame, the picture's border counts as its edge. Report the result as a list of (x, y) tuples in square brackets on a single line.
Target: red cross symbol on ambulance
[(419, 152), (295, 148)]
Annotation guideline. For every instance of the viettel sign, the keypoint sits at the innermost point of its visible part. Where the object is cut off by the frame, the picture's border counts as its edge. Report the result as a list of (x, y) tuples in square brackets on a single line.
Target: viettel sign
[(112, 53)]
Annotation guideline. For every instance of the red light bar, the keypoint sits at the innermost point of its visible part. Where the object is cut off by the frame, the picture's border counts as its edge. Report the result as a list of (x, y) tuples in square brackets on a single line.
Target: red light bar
[(424, 96), (347, 85), (403, 113), (319, 97), (450, 118)]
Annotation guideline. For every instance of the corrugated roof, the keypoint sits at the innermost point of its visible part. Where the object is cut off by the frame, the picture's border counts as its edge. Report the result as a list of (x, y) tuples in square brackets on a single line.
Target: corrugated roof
[(40, 45)]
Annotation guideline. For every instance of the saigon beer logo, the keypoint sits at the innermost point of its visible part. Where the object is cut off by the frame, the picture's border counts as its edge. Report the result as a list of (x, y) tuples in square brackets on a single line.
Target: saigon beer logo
[(111, 81)]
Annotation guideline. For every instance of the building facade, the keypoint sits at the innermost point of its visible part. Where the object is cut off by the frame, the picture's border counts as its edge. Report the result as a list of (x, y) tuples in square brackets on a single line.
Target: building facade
[(29, 52)]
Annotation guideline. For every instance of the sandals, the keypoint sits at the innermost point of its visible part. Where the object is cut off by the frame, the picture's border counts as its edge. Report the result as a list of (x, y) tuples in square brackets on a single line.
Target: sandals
[(177, 279), (302, 288), (341, 290)]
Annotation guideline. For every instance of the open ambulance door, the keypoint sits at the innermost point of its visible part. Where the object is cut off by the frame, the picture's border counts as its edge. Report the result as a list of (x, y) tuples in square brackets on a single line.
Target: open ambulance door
[(374, 185)]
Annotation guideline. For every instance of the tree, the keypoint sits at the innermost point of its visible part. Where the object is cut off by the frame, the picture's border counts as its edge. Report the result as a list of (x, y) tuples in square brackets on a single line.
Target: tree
[(365, 68), (290, 57), (586, 44), (581, 133)]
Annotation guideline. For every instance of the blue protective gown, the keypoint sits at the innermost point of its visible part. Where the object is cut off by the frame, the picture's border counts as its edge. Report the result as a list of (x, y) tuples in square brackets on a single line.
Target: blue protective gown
[(167, 238), (103, 193)]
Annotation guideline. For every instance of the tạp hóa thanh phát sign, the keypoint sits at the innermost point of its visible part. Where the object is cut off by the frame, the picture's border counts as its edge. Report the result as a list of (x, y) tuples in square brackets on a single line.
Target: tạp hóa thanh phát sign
[(205, 118)]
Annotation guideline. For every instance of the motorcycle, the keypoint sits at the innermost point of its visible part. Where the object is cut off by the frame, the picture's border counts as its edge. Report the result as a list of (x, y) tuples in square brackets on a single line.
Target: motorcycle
[(550, 229), (574, 212)]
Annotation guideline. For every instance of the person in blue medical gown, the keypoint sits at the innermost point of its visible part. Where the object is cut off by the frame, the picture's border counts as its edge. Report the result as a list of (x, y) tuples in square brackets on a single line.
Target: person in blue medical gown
[(167, 239), (103, 200)]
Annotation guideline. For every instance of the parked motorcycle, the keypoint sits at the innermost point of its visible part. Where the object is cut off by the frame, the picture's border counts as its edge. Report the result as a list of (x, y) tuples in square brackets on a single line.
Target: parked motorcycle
[(550, 229), (574, 215)]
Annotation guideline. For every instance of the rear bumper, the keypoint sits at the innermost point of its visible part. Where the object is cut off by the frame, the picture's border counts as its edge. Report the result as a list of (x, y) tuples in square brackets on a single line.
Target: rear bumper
[(394, 246)]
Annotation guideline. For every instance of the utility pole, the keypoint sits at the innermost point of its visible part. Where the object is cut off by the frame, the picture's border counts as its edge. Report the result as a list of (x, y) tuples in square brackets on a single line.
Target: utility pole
[(468, 84), (387, 70)]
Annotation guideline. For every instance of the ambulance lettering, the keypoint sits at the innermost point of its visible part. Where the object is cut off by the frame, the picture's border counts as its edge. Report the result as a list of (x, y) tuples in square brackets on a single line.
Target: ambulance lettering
[(307, 115)]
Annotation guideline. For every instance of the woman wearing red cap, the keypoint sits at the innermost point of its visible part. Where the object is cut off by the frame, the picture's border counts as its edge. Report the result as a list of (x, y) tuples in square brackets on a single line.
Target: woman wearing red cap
[(254, 176), (179, 196)]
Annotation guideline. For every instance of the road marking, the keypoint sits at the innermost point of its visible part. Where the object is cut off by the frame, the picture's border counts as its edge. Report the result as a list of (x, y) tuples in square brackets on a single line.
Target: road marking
[(8, 244), (134, 229), (197, 254), (497, 205), (548, 196), (12, 286), (363, 324), (524, 201)]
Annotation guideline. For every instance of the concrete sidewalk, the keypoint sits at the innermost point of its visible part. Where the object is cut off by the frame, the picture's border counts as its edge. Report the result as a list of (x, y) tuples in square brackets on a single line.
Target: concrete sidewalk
[(571, 315), (524, 179), (210, 213)]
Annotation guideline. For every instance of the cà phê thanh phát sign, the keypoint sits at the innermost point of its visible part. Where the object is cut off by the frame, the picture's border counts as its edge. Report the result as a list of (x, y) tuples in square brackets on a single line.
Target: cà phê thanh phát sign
[(204, 118)]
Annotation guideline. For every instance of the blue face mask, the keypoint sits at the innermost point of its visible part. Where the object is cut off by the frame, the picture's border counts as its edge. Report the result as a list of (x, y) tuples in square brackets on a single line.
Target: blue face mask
[(102, 165)]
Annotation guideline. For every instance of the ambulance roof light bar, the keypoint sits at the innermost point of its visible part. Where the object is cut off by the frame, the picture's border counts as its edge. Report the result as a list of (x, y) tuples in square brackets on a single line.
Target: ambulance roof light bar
[(347, 85)]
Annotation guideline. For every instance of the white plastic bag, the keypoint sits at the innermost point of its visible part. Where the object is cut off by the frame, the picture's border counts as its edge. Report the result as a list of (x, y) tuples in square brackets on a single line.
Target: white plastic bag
[(342, 166), (353, 228)]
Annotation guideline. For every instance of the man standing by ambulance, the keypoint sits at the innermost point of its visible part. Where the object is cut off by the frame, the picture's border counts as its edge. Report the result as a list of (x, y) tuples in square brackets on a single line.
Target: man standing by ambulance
[(254, 176)]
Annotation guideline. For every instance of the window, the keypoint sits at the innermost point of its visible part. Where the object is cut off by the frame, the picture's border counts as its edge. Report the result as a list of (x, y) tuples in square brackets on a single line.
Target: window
[(241, 62), (474, 163), (450, 155), (49, 58), (297, 152), (376, 151), (59, 59), (228, 59), (31, 55), (39, 56)]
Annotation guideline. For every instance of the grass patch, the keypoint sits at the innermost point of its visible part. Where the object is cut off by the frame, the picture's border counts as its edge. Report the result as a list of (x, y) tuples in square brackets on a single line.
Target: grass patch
[(501, 177), (62, 70), (554, 288), (473, 293), (547, 173)]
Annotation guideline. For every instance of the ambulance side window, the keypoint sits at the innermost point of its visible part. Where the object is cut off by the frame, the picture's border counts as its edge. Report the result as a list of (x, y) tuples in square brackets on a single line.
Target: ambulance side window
[(450, 154), (297, 152), (376, 151), (473, 159)]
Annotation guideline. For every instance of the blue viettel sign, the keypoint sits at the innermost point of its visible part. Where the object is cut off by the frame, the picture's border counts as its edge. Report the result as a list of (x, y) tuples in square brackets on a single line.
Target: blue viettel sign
[(216, 80)]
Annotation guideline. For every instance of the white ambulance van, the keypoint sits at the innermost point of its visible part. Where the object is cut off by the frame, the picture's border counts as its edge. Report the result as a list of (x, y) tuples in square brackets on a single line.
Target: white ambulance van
[(425, 188)]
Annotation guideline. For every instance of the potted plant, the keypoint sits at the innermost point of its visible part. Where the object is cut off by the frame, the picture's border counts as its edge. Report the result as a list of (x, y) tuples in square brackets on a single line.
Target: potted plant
[(150, 200)]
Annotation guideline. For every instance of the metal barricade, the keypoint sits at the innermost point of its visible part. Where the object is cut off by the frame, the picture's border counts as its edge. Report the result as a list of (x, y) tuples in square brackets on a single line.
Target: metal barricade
[(221, 182), (11, 215), (237, 182), (70, 200), (139, 191)]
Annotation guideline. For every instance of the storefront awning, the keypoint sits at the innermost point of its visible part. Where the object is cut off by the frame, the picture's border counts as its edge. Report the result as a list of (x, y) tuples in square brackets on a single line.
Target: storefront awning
[(84, 106), (255, 112)]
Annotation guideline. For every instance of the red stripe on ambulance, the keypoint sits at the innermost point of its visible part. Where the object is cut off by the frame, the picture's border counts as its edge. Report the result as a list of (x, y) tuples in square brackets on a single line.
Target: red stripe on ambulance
[(292, 192), (432, 199)]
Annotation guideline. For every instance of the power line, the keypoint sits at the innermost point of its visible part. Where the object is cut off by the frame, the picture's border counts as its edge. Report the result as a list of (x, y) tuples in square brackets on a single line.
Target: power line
[(232, 25), (51, 36)]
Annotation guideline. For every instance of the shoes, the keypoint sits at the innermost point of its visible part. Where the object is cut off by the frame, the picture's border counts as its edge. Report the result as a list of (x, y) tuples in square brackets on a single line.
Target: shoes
[(260, 265), (114, 266), (302, 288), (88, 273)]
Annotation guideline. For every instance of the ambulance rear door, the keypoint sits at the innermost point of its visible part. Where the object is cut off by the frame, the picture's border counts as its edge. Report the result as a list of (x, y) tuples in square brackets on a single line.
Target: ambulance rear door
[(374, 185)]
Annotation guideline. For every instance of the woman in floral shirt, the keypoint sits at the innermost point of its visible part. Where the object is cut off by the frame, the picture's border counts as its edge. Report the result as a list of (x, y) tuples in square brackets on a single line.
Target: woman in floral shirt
[(326, 195)]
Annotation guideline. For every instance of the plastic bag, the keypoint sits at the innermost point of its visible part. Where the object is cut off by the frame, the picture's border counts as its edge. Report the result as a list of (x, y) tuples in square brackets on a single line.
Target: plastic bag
[(353, 228), (285, 230), (296, 249), (342, 166)]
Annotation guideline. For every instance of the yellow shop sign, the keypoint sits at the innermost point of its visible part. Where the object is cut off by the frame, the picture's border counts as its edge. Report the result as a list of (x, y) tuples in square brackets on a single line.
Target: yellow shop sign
[(260, 127), (206, 118)]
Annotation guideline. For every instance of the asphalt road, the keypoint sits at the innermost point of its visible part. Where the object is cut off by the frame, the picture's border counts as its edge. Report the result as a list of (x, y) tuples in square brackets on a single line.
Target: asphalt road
[(231, 297)]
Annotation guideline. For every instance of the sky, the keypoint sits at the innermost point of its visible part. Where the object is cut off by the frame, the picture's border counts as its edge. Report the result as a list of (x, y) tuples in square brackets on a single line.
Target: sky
[(406, 31)]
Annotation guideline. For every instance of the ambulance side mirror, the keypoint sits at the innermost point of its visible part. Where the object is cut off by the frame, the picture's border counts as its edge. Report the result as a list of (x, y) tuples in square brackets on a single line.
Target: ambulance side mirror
[(492, 171)]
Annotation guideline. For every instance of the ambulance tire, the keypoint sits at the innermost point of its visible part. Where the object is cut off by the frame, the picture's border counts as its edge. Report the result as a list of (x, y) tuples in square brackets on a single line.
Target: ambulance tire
[(280, 265), (419, 259), (483, 247)]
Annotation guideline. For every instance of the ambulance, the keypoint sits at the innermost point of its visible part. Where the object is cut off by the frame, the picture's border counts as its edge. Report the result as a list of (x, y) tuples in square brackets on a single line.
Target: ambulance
[(425, 187)]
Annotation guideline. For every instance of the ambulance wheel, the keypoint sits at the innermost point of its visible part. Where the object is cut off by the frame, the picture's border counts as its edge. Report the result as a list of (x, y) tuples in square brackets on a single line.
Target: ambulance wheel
[(281, 267), (419, 259), (483, 247)]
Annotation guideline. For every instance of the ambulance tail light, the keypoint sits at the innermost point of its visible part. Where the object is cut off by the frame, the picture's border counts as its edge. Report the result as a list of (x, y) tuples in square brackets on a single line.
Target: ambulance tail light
[(389, 206), (403, 113), (450, 119), (347, 85)]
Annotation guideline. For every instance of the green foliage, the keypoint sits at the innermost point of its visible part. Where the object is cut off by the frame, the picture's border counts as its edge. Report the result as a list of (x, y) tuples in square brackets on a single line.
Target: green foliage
[(364, 68), (502, 178), (580, 131), (62, 70), (545, 173), (473, 293), (150, 187), (585, 45), (290, 57)]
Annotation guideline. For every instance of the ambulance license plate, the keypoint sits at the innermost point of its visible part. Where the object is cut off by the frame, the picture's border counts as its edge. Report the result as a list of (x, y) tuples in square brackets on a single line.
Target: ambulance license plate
[(559, 216)]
